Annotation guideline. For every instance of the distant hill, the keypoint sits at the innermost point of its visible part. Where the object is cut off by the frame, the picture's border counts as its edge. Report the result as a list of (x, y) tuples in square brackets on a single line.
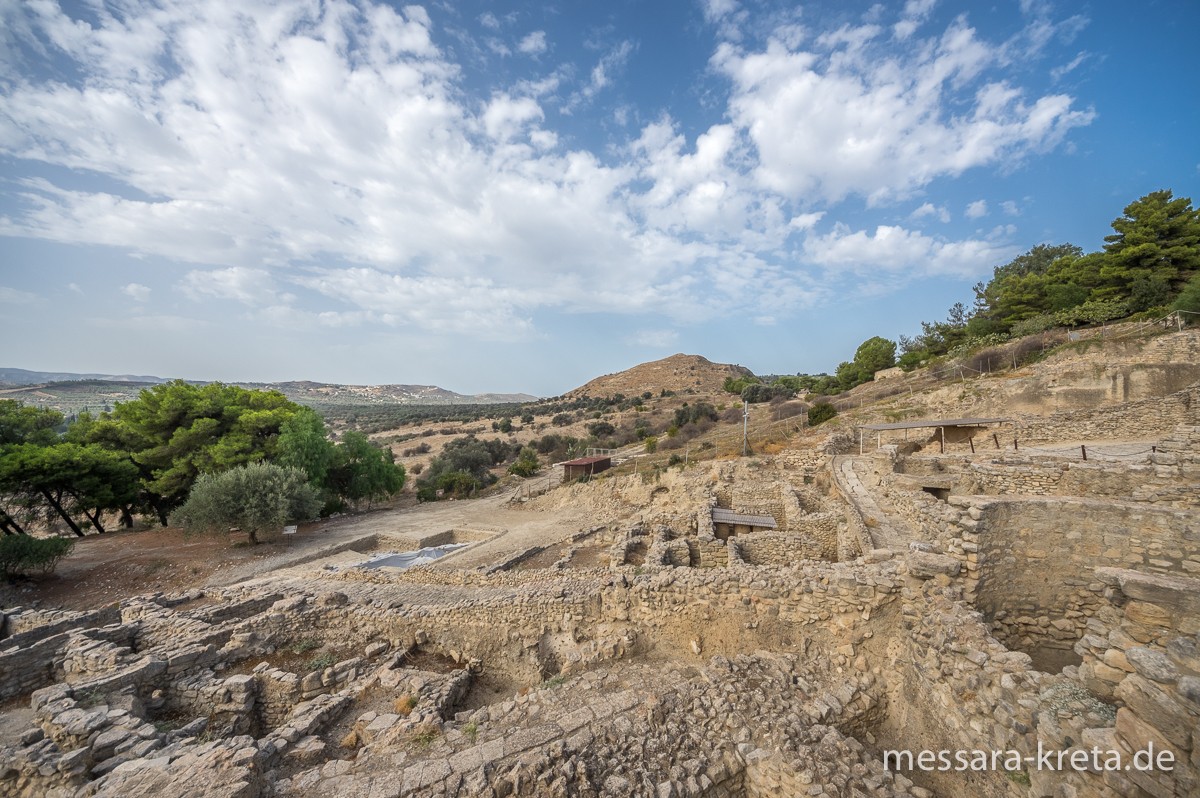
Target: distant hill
[(71, 393), (675, 373), (25, 377), (314, 393)]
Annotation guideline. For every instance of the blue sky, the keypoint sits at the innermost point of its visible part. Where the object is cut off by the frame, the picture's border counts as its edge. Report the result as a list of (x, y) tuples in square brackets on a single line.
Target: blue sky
[(517, 196)]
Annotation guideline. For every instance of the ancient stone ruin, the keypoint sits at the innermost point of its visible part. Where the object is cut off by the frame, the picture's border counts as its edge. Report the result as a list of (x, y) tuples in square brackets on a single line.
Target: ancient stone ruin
[(1008, 601)]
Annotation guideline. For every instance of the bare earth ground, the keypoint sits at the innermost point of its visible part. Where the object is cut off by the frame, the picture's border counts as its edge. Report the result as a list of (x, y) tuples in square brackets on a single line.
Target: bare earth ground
[(106, 568)]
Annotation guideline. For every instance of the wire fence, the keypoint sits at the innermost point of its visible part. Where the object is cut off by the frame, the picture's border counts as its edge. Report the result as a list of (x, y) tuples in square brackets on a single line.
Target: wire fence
[(1084, 452)]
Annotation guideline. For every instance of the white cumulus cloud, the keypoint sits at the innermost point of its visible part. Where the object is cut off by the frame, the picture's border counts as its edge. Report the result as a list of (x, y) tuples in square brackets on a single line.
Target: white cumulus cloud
[(332, 149), (534, 43), (851, 116), (136, 291)]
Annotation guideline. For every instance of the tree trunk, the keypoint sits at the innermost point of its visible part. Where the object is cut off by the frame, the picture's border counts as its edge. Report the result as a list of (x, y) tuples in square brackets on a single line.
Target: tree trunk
[(59, 508), (95, 519), (156, 502), (127, 517), (9, 524)]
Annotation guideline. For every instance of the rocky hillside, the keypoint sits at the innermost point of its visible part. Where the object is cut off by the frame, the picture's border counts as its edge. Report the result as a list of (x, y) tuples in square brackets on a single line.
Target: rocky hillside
[(675, 373)]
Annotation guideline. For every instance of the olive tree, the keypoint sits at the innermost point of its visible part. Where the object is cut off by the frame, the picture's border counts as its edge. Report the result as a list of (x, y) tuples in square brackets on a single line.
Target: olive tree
[(257, 498)]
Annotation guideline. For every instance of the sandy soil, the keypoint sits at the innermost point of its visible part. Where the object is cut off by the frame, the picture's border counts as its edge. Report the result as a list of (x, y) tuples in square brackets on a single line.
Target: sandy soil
[(105, 568)]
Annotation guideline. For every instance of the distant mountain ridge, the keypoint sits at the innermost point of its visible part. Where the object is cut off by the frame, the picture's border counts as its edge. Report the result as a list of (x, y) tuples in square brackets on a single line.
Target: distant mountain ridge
[(26, 377), (70, 392)]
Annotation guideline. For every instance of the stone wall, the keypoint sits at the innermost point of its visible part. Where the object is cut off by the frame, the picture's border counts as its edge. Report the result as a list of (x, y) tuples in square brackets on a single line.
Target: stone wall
[(1147, 419), (959, 689), (31, 657), (1028, 562), (1172, 480), (20, 626), (824, 529), (1144, 654), (775, 548)]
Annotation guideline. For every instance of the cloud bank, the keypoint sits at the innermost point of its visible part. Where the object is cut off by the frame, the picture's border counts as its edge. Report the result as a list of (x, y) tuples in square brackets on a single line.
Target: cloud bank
[(328, 159)]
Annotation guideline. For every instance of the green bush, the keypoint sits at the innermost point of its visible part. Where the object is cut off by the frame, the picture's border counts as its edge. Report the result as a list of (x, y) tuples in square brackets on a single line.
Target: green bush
[(1092, 312), (258, 498), (739, 384), (526, 464), (600, 429), (755, 394), (1033, 325), (820, 413), (911, 360), (25, 555), (1189, 298)]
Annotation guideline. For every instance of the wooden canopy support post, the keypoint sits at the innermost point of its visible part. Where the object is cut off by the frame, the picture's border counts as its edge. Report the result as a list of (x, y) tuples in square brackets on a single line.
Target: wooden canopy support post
[(943, 429)]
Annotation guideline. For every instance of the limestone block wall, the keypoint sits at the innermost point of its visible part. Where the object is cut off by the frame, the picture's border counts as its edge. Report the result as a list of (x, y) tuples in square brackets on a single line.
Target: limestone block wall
[(233, 610), (1144, 655), (227, 704), (33, 657), (20, 626), (808, 594), (29, 667), (95, 651), (775, 548), (710, 552), (674, 553), (1032, 560), (823, 528), (958, 688), (934, 521), (1172, 484), (1144, 419)]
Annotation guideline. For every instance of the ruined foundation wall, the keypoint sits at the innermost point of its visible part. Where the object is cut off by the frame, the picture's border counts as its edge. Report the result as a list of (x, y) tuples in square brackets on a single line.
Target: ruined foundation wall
[(1141, 420), (776, 548), (958, 688), (30, 656), (1033, 560), (1144, 654)]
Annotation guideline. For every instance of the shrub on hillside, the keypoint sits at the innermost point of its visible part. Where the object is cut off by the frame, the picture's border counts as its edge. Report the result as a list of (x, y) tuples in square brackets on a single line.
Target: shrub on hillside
[(600, 429), (1092, 312), (1033, 324), (820, 413), (754, 394), (25, 555), (526, 464)]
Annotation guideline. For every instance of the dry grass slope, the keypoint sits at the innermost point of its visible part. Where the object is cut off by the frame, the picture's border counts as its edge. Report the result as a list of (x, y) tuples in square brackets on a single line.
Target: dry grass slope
[(675, 373)]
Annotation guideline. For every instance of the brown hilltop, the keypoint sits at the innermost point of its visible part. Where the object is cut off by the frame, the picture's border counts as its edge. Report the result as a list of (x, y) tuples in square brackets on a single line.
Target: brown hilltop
[(675, 373)]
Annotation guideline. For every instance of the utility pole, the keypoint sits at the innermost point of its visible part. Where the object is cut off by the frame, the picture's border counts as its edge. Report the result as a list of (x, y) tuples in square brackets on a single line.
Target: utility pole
[(745, 428)]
